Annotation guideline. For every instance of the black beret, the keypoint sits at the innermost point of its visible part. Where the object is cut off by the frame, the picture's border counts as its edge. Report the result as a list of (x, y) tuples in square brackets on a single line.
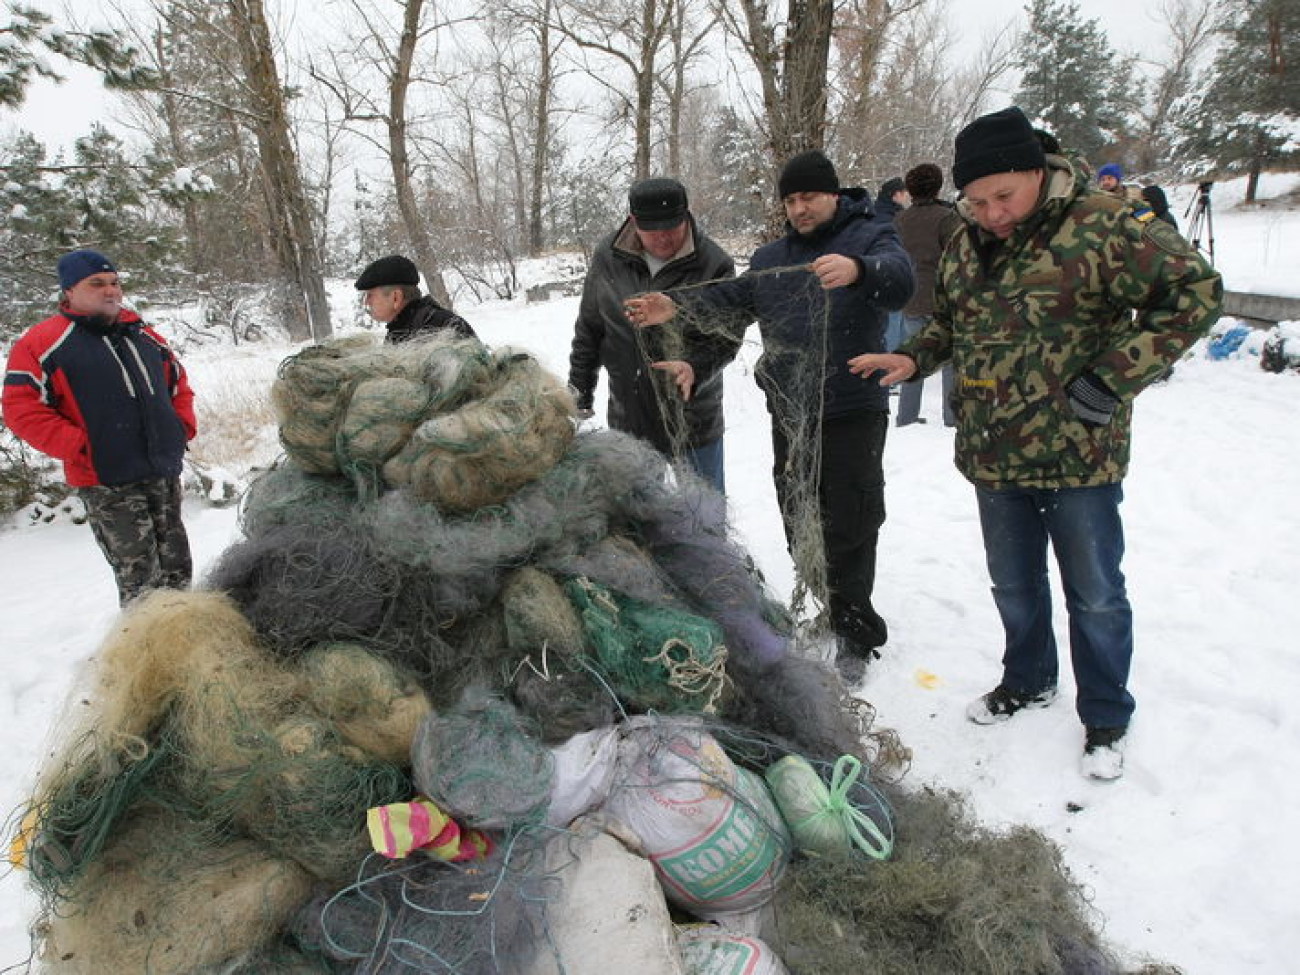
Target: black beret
[(394, 269)]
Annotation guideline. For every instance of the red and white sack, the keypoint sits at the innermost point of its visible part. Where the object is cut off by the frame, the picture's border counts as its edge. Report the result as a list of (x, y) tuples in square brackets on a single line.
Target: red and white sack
[(712, 951), (712, 831)]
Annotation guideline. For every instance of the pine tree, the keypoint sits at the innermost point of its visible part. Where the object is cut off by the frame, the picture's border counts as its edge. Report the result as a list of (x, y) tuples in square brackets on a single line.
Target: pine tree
[(1072, 80), (28, 33), (103, 196), (1247, 120)]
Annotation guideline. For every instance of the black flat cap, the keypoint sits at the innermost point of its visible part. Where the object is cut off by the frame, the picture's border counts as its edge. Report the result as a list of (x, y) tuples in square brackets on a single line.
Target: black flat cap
[(394, 269), (657, 203)]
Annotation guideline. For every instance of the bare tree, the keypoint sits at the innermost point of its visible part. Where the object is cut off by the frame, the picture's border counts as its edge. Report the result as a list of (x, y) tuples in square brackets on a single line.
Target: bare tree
[(687, 34), (791, 58), (399, 86), (548, 46), (631, 33), (524, 73), (1191, 28), (396, 66), (972, 85), (890, 85), (293, 235)]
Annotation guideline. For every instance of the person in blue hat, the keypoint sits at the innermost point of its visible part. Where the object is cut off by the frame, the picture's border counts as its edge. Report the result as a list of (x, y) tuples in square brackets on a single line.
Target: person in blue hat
[(1110, 178), (96, 388)]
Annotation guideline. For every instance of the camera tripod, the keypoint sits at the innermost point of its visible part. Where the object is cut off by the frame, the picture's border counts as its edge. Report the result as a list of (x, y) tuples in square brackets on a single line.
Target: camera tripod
[(1202, 218)]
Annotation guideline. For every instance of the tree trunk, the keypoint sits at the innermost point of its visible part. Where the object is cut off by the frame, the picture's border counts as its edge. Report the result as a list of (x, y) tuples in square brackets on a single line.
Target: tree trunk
[(295, 243), (399, 85), (645, 85), (541, 132), (793, 81), (803, 90)]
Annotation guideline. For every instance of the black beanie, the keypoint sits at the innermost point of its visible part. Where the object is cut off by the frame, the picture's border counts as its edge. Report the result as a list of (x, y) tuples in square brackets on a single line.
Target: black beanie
[(1002, 142), (808, 172), (394, 269), (891, 186), (924, 181)]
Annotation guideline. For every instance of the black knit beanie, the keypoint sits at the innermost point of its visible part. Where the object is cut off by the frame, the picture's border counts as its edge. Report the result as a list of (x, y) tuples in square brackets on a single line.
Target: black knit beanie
[(1002, 142), (808, 172), (924, 181)]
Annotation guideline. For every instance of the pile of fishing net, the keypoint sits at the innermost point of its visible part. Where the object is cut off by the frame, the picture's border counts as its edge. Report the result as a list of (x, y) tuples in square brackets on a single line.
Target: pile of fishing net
[(476, 695)]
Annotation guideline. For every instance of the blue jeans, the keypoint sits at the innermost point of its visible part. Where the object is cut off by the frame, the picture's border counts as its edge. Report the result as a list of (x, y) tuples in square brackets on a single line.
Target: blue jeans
[(893, 330), (909, 393), (1087, 535), (707, 462)]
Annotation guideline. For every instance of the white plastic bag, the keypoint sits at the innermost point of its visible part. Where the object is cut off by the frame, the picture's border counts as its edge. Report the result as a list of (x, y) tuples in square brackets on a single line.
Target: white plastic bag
[(583, 771)]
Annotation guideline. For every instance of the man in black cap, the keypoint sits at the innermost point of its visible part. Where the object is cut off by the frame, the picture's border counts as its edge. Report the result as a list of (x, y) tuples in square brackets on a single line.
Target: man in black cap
[(392, 296), (98, 389), (664, 387), (820, 295), (1057, 304)]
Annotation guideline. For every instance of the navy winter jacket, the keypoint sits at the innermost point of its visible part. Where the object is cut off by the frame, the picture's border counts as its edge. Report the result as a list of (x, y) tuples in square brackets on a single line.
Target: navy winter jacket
[(110, 401), (798, 318)]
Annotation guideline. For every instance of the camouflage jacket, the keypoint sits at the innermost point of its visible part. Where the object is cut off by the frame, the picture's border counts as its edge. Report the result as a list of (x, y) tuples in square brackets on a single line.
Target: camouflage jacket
[(1086, 282)]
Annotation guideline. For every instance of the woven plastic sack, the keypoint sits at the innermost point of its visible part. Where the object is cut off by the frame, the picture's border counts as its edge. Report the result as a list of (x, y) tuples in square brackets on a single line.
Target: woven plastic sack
[(711, 951), (717, 841), (583, 773)]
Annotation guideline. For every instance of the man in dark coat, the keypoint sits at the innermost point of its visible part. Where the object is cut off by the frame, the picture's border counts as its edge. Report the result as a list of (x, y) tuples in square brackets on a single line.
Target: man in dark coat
[(100, 390), (665, 386), (820, 295), (892, 200), (924, 227), (392, 296)]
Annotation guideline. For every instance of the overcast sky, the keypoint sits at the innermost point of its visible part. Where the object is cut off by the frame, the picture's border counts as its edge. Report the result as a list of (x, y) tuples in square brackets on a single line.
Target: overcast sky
[(60, 113)]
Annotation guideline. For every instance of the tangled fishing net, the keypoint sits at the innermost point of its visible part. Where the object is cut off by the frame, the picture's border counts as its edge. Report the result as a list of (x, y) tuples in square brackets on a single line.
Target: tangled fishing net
[(792, 375), (455, 643)]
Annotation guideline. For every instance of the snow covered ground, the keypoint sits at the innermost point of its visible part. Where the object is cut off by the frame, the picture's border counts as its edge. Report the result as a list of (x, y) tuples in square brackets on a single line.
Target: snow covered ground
[(1192, 858)]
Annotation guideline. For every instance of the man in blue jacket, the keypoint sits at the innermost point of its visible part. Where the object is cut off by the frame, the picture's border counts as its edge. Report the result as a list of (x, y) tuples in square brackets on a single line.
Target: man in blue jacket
[(98, 389), (819, 293)]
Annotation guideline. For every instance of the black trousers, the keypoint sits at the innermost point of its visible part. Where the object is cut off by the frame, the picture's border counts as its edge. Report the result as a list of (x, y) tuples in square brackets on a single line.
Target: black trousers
[(851, 499)]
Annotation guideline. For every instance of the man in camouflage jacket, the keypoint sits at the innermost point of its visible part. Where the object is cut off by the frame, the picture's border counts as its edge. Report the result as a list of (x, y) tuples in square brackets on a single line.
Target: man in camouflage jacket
[(1056, 304)]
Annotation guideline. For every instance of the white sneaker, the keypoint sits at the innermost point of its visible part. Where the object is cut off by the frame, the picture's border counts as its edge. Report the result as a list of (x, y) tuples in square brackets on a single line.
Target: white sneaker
[(1103, 754)]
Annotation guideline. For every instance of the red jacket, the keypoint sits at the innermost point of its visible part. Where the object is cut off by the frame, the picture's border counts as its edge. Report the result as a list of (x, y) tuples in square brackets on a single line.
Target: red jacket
[(112, 402)]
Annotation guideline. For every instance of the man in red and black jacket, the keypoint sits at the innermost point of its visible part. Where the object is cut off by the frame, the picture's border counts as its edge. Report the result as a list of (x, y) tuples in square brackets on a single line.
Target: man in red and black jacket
[(96, 388)]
